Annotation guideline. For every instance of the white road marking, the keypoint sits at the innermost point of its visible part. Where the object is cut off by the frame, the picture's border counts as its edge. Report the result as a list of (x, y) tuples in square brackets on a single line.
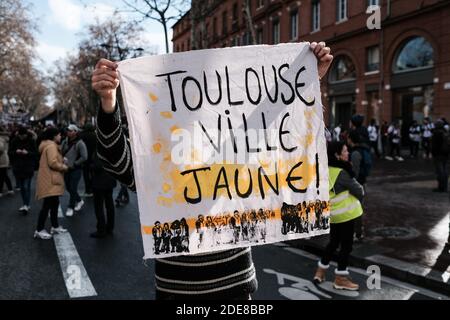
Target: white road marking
[(385, 279), (75, 276), (280, 244), (60, 212)]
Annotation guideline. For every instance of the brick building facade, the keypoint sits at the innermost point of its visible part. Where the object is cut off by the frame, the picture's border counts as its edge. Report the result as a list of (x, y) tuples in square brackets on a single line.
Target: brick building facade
[(401, 71)]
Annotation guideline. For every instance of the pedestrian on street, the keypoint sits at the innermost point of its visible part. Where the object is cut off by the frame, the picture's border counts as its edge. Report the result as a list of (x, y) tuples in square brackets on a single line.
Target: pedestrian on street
[(346, 195), (395, 138), (23, 155), (4, 163), (373, 137), (103, 185), (89, 139), (75, 153), (337, 132), (361, 160), (440, 149), (181, 277), (384, 138), (415, 133), (50, 183), (427, 133)]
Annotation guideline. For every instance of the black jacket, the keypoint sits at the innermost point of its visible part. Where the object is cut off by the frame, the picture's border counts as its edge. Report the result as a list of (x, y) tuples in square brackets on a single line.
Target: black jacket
[(101, 180), (89, 139), (439, 143), (23, 165)]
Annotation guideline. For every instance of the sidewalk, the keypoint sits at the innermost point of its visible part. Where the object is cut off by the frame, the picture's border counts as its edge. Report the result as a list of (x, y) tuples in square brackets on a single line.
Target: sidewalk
[(406, 226)]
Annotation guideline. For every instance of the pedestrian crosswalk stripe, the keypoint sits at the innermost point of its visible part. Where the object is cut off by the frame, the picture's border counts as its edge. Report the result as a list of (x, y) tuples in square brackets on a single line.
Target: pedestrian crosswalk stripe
[(75, 276)]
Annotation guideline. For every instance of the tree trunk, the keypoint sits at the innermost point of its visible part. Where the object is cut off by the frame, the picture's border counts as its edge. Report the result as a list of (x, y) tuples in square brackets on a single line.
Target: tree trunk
[(166, 36)]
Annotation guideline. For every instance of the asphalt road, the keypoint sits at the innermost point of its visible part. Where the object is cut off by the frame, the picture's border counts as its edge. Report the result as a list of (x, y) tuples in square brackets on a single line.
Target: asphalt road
[(112, 268)]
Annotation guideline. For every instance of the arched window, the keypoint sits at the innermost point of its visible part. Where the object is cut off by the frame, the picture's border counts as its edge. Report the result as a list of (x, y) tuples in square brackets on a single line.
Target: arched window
[(343, 69), (416, 53)]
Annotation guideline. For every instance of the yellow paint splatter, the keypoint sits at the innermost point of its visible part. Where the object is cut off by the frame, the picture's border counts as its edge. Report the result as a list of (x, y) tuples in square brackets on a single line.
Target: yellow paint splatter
[(166, 187), (167, 157), (147, 230), (309, 139), (174, 128), (153, 97), (157, 147), (167, 114), (164, 202)]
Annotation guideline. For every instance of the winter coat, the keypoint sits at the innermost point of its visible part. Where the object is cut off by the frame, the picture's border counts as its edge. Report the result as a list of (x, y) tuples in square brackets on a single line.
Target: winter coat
[(75, 151), (4, 158), (90, 139), (23, 164), (439, 144), (50, 178), (101, 180)]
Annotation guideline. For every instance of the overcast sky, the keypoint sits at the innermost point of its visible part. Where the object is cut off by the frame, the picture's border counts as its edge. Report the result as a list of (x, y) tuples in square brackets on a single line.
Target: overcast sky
[(61, 22)]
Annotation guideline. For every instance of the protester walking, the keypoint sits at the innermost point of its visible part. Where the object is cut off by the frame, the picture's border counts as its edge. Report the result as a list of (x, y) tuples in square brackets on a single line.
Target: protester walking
[(50, 183), (346, 195), (440, 149), (103, 186), (395, 138), (384, 138), (75, 153), (23, 155), (415, 132), (373, 131), (4, 163), (356, 122), (427, 133), (361, 160)]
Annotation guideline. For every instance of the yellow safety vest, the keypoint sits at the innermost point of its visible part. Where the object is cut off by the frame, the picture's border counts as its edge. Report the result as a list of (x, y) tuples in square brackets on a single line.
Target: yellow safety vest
[(344, 206)]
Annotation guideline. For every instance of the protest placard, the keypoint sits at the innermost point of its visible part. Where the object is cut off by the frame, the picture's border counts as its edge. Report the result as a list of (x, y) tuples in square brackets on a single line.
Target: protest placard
[(228, 147)]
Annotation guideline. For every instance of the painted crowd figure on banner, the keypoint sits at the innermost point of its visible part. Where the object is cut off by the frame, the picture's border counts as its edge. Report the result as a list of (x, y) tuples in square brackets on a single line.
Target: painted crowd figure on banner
[(249, 226)]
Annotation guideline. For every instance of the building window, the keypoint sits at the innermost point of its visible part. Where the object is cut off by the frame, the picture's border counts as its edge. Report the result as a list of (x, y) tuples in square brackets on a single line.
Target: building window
[(224, 23), (415, 54), (259, 36), (341, 10), (373, 59), (343, 69), (316, 15), (260, 4), (276, 31), (294, 25)]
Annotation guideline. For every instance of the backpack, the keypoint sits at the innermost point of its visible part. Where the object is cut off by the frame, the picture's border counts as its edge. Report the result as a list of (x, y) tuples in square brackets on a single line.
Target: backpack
[(366, 162)]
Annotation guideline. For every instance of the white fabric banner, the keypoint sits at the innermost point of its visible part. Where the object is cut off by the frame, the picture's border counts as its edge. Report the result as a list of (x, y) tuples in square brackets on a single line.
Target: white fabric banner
[(228, 147)]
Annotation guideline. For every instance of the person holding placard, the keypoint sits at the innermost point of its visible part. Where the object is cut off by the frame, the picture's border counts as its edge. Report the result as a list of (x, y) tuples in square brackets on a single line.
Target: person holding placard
[(226, 274)]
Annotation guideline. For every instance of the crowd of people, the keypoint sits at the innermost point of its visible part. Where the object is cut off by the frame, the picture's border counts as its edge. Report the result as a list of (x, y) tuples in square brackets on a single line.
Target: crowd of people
[(62, 156), (385, 141), (350, 159)]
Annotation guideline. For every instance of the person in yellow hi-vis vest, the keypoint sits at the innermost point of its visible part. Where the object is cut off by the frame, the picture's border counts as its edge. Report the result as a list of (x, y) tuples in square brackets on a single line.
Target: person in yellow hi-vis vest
[(345, 198)]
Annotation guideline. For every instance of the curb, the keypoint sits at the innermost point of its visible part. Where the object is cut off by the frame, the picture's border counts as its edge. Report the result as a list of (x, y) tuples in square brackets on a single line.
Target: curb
[(420, 276)]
